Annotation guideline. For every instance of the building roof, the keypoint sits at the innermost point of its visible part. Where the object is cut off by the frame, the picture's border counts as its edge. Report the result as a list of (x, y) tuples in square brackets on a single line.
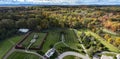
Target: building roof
[(50, 52), (23, 30)]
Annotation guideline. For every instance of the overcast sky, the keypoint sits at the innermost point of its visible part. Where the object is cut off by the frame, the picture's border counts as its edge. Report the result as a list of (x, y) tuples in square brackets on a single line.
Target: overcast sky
[(62, 2)]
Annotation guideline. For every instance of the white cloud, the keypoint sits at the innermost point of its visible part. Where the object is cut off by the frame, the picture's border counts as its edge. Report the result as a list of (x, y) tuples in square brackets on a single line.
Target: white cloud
[(63, 2), (21, 0)]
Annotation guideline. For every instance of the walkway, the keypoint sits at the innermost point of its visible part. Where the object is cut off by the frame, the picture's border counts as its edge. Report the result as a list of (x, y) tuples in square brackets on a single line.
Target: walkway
[(72, 53)]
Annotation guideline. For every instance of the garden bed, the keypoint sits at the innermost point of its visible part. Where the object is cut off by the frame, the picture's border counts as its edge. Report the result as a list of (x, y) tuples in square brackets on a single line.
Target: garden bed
[(37, 45)]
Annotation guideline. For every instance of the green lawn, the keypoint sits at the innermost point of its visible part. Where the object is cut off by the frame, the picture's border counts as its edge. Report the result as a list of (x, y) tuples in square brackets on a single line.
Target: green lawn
[(71, 39), (52, 38), (22, 55), (71, 57), (7, 44), (38, 41), (26, 42), (108, 45), (30, 37)]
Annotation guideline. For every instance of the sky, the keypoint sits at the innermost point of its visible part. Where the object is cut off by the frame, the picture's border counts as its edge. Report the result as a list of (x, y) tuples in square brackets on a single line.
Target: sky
[(62, 2)]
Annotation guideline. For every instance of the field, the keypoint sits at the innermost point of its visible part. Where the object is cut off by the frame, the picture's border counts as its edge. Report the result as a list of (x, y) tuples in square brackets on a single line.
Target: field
[(21, 55), (7, 44), (72, 40), (71, 57), (30, 37), (70, 43), (52, 38)]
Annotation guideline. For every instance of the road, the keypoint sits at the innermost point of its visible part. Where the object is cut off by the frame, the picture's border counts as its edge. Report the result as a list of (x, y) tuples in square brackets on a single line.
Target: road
[(72, 53)]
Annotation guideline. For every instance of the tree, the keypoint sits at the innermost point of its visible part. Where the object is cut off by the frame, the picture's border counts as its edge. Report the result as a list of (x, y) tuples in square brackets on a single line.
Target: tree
[(21, 23), (32, 23), (110, 40), (107, 36), (7, 24), (117, 41), (44, 24)]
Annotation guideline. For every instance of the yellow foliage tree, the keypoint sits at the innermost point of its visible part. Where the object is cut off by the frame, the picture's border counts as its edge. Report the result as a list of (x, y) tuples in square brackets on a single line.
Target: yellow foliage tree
[(110, 40), (117, 41), (107, 36)]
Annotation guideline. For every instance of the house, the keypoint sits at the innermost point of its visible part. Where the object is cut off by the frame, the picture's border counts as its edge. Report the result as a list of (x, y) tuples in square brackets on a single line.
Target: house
[(50, 52), (118, 56)]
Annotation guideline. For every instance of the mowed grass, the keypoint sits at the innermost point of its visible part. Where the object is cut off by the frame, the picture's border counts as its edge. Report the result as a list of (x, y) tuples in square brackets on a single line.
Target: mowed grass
[(22, 55), (26, 42), (52, 38), (71, 57), (7, 44), (38, 41), (71, 39), (30, 37)]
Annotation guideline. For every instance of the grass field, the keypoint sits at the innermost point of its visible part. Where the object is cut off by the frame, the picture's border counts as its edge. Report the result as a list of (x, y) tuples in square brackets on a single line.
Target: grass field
[(7, 44), (71, 39), (22, 55), (38, 41), (30, 37), (71, 57), (52, 38)]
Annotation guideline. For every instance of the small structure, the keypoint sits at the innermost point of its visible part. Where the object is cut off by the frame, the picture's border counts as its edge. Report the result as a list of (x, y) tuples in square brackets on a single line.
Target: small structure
[(33, 40), (106, 57), (35, 36), (23, 30), (50, 52), (118, 56)]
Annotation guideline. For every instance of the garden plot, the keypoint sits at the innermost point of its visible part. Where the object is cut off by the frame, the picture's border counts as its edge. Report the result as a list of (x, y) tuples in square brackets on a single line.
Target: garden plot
[(52, 38), (37, 42)]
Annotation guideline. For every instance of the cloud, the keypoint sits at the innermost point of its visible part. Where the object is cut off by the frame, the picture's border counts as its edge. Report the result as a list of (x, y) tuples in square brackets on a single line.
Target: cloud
[(63, 2)]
